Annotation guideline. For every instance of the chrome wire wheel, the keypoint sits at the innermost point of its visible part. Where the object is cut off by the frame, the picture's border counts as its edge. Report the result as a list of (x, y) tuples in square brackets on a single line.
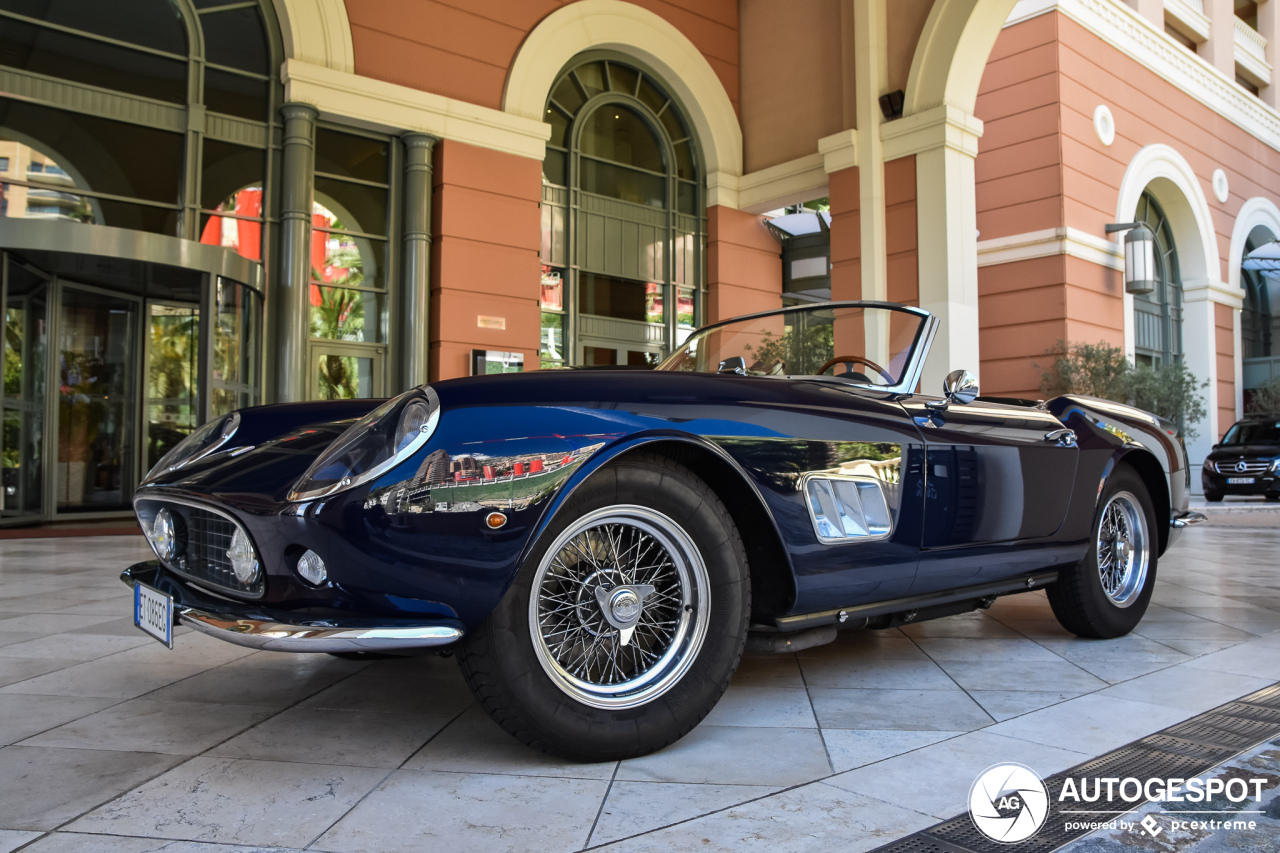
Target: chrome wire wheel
[(618, 607), (1124, 549)]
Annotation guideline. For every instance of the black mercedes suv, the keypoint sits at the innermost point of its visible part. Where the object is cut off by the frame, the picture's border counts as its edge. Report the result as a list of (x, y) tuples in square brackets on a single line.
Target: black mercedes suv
[(1247, 462)]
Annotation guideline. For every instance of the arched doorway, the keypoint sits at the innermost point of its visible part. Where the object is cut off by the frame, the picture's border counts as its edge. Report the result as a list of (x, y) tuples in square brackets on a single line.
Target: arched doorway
[(622, 217), (138, 155), (1158, 315)]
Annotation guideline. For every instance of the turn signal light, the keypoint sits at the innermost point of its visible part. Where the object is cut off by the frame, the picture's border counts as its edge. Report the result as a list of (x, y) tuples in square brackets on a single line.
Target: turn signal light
[(495, 520), (312, 568)]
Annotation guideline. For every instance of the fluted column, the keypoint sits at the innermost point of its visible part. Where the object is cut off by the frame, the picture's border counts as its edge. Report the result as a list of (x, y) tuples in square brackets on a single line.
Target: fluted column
[(415, 296), (294, 307)]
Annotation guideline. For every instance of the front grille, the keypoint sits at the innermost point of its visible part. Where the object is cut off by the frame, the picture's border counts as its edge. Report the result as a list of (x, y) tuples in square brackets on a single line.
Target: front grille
[(1246, 466), (204, 537)]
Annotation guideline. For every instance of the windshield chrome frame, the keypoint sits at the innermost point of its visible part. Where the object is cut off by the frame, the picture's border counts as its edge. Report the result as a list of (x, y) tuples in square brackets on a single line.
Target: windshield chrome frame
[(911, 371)]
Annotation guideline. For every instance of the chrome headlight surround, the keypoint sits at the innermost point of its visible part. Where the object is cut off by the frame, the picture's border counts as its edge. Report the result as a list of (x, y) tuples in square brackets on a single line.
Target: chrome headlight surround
[(372, 445), (206, 440)]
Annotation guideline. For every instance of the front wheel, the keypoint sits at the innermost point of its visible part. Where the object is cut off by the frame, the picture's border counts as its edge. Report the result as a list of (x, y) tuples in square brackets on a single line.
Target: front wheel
[(626, 622), (1213, 497), (1106, 594)]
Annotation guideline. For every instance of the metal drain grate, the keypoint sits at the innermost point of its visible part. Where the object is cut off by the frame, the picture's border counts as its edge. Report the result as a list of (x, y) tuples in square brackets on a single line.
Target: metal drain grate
[(1186, 750)]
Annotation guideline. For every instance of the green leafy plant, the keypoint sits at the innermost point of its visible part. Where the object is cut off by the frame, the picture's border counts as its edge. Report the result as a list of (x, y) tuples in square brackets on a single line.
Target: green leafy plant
[(1101, 370), (1265, 400), (800, 350)]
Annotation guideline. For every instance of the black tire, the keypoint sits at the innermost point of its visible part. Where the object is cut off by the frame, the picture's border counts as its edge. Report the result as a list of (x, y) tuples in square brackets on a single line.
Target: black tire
[(1213, 497), (516, 676), (1079, 600), (1273, 498)]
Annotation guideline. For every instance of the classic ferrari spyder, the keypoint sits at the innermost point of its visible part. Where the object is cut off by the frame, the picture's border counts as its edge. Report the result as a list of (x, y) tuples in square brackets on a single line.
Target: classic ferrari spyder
[(597, 547)]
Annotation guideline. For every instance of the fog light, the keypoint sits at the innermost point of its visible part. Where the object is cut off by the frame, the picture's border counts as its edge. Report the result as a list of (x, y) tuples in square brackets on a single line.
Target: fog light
[(161, 535), (243, 561), (312, 569)]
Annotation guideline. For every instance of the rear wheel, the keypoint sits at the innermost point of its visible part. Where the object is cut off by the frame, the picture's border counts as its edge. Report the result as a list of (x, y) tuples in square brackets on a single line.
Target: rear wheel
[(626, 622), (1106, 594)]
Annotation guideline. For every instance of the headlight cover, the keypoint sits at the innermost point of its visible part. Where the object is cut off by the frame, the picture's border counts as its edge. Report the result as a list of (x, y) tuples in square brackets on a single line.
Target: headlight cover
[(207, 440), (372, 445)]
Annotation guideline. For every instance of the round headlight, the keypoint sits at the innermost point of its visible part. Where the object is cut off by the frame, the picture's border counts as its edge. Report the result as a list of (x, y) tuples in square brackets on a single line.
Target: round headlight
[(206, 440), (244, 562), (372, 445), (162, 535)]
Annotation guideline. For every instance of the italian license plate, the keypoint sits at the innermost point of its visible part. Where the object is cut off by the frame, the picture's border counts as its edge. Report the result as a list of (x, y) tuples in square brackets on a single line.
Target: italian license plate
[(153, 613), (1240, 481)]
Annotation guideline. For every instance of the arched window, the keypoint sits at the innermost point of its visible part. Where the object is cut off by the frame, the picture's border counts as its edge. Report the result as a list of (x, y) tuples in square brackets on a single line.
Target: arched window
[(622, 217), (1157, 316), (1257, 320), (162, 115)]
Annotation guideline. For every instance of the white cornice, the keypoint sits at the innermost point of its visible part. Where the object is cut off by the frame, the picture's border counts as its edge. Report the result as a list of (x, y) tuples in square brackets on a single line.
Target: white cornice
[(1047, 243), (388, 107), (941, 127), (839, 150), (793, 182), (1131, 34)]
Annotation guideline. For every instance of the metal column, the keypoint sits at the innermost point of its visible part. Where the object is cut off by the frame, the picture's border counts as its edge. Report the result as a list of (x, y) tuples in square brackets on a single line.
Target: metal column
[(415, 297), (293, 324)]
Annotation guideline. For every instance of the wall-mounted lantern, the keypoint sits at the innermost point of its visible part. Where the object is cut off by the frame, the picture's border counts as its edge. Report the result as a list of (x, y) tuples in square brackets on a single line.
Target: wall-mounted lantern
[(1140, 272)]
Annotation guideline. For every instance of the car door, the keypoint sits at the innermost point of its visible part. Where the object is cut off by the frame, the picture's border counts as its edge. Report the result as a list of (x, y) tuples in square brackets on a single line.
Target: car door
[(998, 481)]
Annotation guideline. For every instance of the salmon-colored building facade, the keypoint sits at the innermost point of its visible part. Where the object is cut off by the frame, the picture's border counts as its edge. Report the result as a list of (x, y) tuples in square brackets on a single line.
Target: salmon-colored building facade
[(584, 182)]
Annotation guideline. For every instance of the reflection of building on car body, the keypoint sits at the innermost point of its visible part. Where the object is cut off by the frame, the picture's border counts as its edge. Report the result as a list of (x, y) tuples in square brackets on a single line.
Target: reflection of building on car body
[(613, 538)]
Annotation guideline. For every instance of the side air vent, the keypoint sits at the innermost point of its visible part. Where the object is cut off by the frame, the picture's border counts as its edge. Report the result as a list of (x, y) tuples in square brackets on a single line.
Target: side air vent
[(847, 509)]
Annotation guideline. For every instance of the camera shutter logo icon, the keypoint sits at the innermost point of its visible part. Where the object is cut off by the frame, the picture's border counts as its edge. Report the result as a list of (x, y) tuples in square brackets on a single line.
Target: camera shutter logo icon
[(1008, 803)]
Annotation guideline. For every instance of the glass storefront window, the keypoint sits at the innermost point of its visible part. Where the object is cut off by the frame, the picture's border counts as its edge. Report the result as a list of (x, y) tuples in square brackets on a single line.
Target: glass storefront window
[(350, 221), (100, 154), (618, 136), (344, 377), (172, 376), (623, 299), (237, 342)]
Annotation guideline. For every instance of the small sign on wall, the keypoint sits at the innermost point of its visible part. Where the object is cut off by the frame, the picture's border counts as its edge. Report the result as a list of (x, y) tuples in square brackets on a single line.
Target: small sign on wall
[(487, 361), (485, 322)]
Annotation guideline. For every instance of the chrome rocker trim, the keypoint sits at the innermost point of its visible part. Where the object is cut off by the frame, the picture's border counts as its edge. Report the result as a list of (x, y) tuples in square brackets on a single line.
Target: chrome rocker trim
[(256, 630)]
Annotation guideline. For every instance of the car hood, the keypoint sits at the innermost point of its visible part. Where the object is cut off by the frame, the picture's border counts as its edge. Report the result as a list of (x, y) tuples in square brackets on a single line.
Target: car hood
[(1234, 451)]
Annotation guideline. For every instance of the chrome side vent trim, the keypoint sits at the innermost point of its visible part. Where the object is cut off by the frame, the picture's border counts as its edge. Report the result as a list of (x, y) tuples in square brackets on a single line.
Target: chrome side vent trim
[(847, 508)]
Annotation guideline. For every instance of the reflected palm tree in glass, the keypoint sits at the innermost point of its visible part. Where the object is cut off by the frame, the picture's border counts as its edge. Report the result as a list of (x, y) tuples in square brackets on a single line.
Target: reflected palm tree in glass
[(337, 313)]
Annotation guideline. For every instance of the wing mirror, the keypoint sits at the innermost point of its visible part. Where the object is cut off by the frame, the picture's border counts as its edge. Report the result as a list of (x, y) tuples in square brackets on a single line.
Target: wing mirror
[(959, 387)]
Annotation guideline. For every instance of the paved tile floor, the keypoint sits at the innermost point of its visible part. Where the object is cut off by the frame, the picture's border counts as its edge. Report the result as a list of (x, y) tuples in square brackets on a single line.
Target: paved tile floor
[(112, 743)]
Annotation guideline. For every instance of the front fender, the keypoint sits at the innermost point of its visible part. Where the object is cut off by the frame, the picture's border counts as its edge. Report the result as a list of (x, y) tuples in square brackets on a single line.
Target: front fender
[(639, 441)]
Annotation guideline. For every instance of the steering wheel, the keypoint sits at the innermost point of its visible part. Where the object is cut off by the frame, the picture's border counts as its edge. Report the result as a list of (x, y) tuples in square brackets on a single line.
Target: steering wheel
[(857, 359)]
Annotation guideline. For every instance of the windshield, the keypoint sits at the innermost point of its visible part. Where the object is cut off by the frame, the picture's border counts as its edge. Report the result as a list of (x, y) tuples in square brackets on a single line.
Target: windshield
[(1256, 432), (868, 343)]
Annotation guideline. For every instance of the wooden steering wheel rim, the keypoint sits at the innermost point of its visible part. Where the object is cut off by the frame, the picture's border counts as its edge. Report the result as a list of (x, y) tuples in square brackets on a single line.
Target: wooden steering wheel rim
[(855, 359)]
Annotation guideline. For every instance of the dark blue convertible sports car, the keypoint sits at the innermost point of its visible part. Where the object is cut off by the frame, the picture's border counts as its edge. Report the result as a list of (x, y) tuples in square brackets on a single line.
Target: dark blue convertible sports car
[(598, 546)]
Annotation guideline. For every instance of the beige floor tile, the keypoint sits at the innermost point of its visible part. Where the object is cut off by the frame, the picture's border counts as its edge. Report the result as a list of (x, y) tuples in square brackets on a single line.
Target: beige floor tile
[(151, 725), (876, 672), (763, 706), (633, 808), (850, 748), (909, 710), (734, 755), (476, 744), (236, 802), (431, 811), (1055, 675), (103, 678), (947, 649), (22, 716), (950, 768), (1093, 724), (42, 787), (322, 736), (1006, 704), (816, 818)]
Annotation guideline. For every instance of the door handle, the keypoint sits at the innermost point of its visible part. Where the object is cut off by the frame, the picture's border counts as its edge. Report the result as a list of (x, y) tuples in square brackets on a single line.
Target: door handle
[(1062, 437)]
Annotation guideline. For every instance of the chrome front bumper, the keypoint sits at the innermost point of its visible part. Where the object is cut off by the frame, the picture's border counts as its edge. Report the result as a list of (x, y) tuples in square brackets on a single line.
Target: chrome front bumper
[(267, 631)]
